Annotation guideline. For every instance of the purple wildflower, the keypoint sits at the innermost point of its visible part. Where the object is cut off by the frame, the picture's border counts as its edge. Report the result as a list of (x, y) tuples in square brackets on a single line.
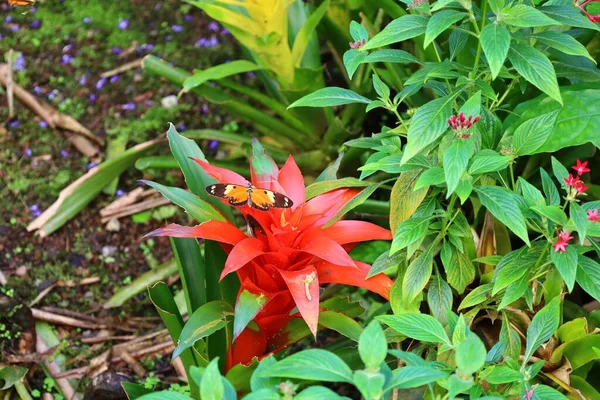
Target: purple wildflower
[(19, 63), (66, 59), (53, 94), (212, 42), (187, 17), (213, 26), (14, 123), (147, 47), (114, 78), (148, 103), (225, 32), (14, 28), (35, 24), (43, 124), (119, 192), (177, 28), (64, 154), (129, 106), (33, 10), (213, 145), (123, 24), (87, 20), (250, 74), (67, 48), (200, 43), (204, 109), (91, 165), (116, 50), (36, 214), (168, 38), (92, 98), (158, 6), (83, 80), (34, 207), (181, 127), (8, 19), (100, 84), (28, 152), (1, 36)]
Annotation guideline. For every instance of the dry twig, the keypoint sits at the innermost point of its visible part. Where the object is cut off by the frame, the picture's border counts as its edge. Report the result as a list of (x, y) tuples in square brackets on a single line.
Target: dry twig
[(125, 67)]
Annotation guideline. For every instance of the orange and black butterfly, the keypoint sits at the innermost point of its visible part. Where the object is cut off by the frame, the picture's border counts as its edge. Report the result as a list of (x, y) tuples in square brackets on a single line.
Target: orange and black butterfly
[(238, 195), (16, 3)]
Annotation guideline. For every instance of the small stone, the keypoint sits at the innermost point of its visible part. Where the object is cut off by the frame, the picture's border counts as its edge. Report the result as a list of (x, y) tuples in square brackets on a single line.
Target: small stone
[(21, 271), (108, 251), (169, 101), (113, 225)]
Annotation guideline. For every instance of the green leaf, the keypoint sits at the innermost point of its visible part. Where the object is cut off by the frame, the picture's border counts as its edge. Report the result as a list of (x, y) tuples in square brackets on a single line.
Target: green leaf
[(439, 299), (504, 205), (431, 177), (204, 321), (391, 56), (134, 391), (549, 188), (456, 159), (417, 275), (533, 133), (543, 392), (247, 306), (417, 326), (568, 15), (321, 187), (369, 383), (197, 208), (440, 22), (404, 199), (352, 203), (358, 32), (470, 354), (165, 395), (192, 270), (372, 345), (352, 60), (457, 385), (560, 172), (486, 161), (211, 387), (306, 32), (11, 375), (495, 42), (341, 323), (530, 193), (399, 30), (542, 327), (221, 71), (579, 217), (461, 272), (536, 68), (562, 42), (427, 125), (264, 394), (527, 17), (499, 374), (411, 377), (588, 276), (384, 262), (312, 364), (315, 393), (477, 296), (381, 88), (258, 382), (329, 97), (410, 231), (566, 263), (553, 213), (472, 106)]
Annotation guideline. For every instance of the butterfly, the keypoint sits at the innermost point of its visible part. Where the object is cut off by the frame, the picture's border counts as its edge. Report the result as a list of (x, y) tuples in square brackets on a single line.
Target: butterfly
[(15, 3), (238, 195)]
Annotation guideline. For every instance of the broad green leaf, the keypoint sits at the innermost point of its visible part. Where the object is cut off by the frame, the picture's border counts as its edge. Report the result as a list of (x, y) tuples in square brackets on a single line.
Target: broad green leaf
[(399, 30), (422, 327), (164, 395), (321, 187), (192, 271), (134, 391), (549, 188), (525, 16), (504, 205), (247, 306), (414, 376), (530, 193), (386, 261), (352, 60), (417, 275), (553, 213), (472, 106), (329, 97), (372, 345), (204, 321), (579, 217), (439, 299), (495, 42), (560, 172), (391, 56), (358, 32), (457, 43), (515, 290), (542, 327), (566, 263), (461, 272), (312, 364), (562, 42), (306, 32), (264, 394), (211, 387), (221, 71), (477, 296), (427, 125), (470, 354), (404, 200), (411, 230), (536, 68), (568, 15), (380, 88), (458, 385), (533, 133), (257, 381), (486, 161), (369, 383), (315, 393), (499, 374), (341, 323), (543, 392), (431, 177), (456, 159), (511, 339), (11, 375), (197, 208), (588, 276), (439, 22)]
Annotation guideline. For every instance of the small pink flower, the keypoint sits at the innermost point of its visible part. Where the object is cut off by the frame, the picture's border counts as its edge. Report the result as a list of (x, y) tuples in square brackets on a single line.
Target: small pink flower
[(581, 167), (571, 180), (358, 44), (562, 242), (460, 124), (592, 215), (580, 187)]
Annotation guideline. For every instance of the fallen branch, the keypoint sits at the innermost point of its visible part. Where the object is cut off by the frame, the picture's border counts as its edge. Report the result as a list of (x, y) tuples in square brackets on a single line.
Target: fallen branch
[(135, 366), (52, 367), (127, 200), (136, 208), (62, 320), (125, 67)]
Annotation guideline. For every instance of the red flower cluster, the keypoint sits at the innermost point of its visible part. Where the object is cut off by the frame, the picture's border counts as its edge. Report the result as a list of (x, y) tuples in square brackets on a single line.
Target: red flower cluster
[(562, 241), (581, 5), (358, 44), (417, 4), (574, 183), (592, 215), (286, 256), (460, 124)]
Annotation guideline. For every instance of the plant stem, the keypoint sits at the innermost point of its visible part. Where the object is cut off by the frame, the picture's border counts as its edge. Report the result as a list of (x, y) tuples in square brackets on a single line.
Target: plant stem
[(22, 390), (508, 89), (512, 177)]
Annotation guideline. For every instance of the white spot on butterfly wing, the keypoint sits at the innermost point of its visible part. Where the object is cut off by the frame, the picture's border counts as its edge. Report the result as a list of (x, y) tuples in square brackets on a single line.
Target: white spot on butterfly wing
[(229, 188)]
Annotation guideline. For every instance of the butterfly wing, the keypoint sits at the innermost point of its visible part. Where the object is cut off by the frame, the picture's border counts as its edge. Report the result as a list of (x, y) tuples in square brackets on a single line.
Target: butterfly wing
[(236, 195), (20, 2), (263, 199)]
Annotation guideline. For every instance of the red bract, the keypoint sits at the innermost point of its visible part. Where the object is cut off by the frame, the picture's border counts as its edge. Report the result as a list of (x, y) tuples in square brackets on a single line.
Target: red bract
[(290, 255)]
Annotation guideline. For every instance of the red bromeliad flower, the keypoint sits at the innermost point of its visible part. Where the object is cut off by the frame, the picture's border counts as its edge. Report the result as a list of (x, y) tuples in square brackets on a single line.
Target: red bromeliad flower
[(592, 215), (287, 255), (562, 241)]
